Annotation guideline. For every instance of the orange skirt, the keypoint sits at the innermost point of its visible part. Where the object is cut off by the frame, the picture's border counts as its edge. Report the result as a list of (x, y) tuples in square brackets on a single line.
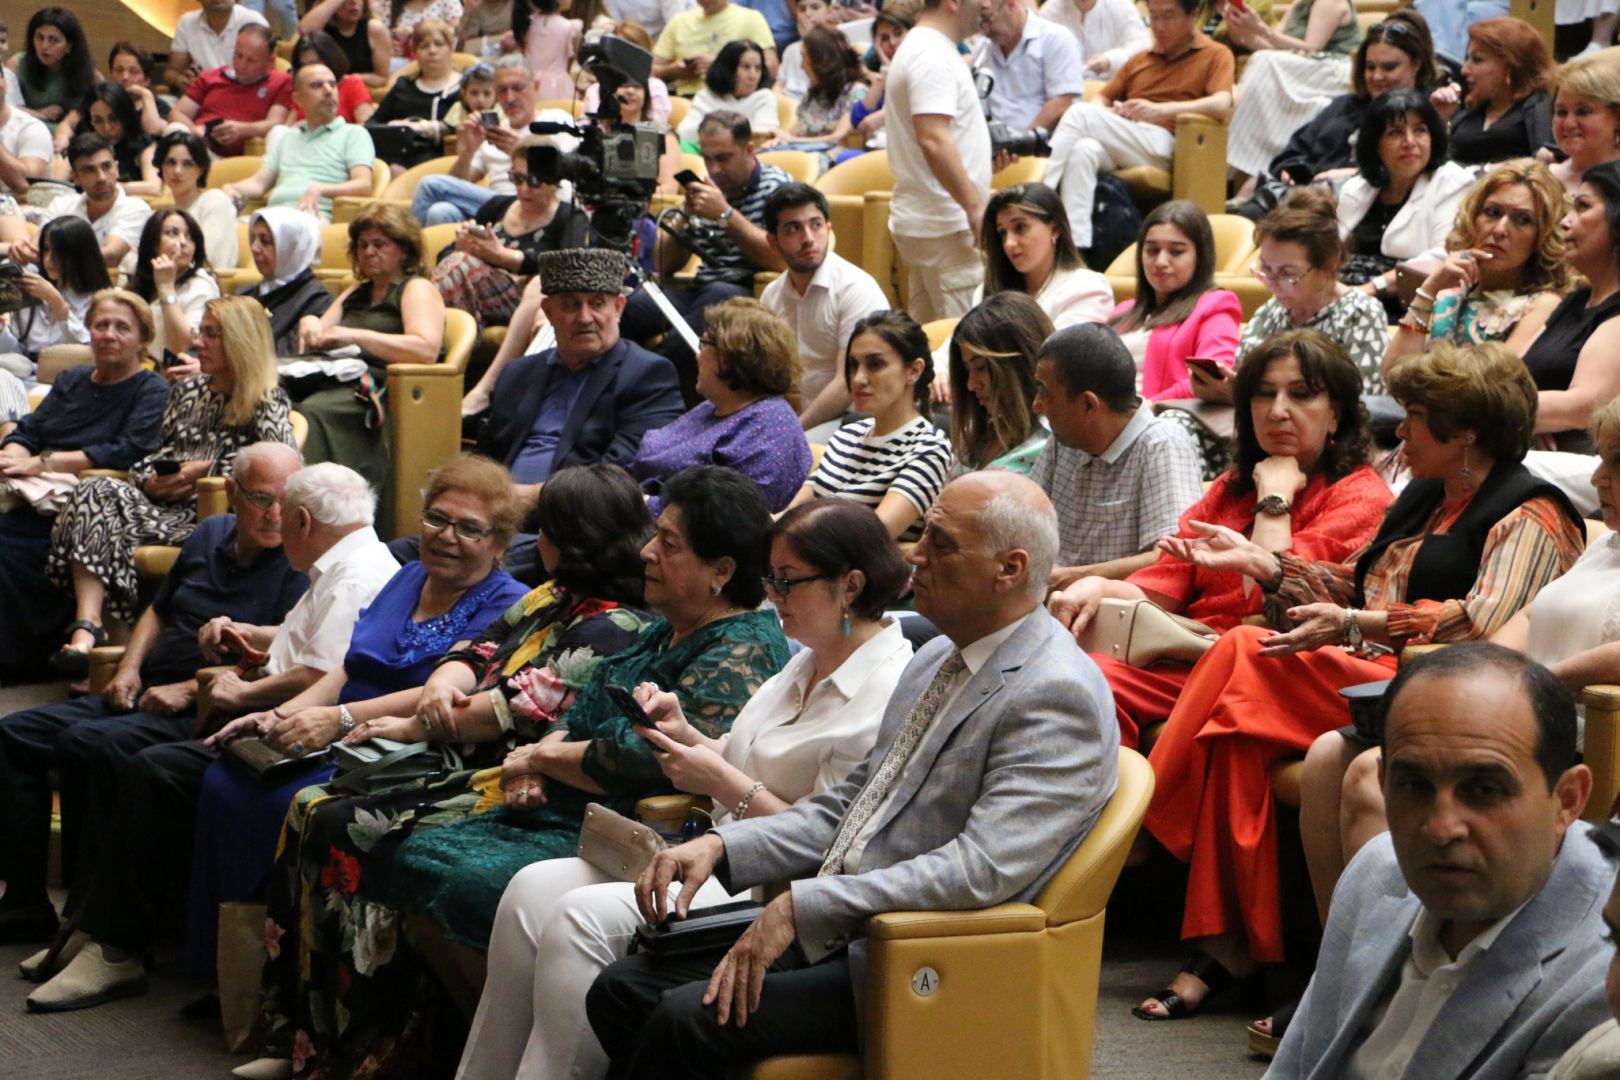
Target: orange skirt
[(1239, 714)]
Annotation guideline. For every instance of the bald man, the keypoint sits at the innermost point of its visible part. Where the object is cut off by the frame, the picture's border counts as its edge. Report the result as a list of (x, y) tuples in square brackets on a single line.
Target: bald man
[(996, 754)]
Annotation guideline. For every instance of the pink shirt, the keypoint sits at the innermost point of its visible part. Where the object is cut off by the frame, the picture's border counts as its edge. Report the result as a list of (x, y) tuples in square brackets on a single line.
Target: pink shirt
[(1210, 331)]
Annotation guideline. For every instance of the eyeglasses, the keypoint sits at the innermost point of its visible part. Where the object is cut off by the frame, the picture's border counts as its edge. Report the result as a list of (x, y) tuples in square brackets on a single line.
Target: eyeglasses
[(465, 530), (525, 180), (1287, 281), (209, 331), (781, 586), (259, 500)]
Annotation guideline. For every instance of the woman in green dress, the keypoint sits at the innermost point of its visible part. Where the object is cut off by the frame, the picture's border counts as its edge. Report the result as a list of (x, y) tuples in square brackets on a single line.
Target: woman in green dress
[(992, 369), (343, 992), (393, 316)]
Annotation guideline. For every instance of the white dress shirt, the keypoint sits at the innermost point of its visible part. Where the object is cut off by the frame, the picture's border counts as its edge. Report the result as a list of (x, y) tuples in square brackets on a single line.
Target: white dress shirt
[(1113, 28), (1428, 979), (25, 136), (125, 218), (197, 39), (1044, 63), (346, 578), (839, 295), (974, 657)]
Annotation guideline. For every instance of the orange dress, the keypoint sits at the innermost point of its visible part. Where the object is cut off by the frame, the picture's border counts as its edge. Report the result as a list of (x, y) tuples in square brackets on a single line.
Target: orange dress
[(1240, 713)]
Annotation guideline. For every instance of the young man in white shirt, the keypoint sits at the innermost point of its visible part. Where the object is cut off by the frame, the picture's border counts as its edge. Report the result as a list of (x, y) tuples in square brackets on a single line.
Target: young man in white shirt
[(206, 39), (822, 296), (117, 218), (939, 149), (1110, 32)]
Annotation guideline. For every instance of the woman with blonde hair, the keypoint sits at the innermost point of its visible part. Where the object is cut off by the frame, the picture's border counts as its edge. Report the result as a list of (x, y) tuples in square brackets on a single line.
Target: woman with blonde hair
[(1586, 117), (1505, 272), (233, 402), (992, 372)]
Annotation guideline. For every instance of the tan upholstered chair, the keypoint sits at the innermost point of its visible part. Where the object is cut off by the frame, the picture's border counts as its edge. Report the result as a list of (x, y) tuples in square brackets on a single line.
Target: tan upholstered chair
[(424, 417), (398, 191), (1234, 251)]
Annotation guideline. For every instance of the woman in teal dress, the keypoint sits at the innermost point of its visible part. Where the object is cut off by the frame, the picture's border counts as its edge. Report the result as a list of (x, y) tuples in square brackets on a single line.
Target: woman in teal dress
[(343, 992), (992, 370)]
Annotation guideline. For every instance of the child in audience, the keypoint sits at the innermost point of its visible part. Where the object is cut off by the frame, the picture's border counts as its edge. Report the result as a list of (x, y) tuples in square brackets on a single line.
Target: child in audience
[(477, 95), (550, 42)]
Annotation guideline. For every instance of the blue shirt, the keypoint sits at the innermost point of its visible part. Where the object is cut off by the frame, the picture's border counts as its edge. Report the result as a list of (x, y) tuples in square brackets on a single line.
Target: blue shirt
[(534, 460), (778, 17), (1043, 65), (208, 580), (115, 425), (389, 652)]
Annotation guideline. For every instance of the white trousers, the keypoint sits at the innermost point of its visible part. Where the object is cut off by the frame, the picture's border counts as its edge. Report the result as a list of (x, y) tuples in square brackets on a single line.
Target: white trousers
[(1280, 93), (943, 272), (1091, 139), (560, 922)]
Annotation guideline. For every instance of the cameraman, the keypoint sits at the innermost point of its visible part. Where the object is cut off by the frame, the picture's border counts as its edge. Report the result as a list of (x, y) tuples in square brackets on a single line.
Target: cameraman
[(1035, 65), (729, 207), (939, 149)]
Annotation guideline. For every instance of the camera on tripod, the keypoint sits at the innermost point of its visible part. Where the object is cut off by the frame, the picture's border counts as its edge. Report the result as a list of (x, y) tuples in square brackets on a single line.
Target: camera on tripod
[(1031, 142), (615, 169)]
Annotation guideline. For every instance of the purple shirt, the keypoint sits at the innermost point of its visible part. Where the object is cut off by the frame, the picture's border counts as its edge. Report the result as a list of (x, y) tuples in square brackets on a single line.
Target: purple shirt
[(762, 440)]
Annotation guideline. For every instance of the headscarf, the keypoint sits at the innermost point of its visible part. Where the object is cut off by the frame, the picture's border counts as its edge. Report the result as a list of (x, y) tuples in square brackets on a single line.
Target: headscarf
[(298, 242)]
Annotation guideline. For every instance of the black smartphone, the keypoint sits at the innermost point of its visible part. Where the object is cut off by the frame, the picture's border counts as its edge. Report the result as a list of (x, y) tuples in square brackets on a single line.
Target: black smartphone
[(687, 176), (165, 466), (489, 118), (1211, 368), (627, 703)]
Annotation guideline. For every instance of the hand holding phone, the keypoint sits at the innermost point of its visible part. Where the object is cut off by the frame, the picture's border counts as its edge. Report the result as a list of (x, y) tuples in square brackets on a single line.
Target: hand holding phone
[(627, 703), (165, 467), (686, 177), (1209, 368)]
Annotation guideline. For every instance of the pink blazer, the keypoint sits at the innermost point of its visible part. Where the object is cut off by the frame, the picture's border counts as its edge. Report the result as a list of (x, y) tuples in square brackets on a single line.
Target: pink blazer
[(1211, 330)]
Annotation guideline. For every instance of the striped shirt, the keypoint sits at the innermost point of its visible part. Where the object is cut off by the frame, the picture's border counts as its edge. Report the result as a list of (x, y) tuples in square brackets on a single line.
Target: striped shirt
[(914, 460), (730, 264)]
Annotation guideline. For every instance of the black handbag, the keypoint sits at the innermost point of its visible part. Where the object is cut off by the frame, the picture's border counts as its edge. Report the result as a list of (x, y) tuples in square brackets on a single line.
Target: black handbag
[(714, 930)]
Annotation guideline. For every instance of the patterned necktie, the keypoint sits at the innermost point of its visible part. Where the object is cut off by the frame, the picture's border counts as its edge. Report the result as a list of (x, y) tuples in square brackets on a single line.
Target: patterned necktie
[(877, 788)]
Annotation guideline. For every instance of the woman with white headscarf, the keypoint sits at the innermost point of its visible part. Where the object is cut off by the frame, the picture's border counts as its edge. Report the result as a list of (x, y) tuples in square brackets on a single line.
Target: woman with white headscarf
[(285, 244)]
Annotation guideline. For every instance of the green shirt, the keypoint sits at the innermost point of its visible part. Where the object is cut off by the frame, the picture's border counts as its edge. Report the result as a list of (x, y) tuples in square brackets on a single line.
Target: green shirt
[(321, 156)]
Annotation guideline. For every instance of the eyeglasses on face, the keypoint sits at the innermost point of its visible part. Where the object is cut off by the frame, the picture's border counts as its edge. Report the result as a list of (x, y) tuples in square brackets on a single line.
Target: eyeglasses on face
[(470, 531), (781, 586), (259, 500), (1286, 280)]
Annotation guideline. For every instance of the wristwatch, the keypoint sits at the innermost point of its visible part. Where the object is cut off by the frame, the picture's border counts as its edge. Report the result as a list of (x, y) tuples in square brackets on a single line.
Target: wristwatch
[(1274, 505), (725, 216), (170, 299), (1352, 629)]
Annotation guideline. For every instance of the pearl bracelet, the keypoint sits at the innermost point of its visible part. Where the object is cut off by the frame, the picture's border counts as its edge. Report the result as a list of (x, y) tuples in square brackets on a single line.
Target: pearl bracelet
[(740, 811)]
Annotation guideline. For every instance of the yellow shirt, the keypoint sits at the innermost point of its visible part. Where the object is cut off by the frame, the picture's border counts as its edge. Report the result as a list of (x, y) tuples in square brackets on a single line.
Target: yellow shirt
[(692, 33)]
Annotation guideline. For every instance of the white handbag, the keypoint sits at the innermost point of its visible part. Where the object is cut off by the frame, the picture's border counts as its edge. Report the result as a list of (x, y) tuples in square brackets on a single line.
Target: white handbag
[(1140, 633)]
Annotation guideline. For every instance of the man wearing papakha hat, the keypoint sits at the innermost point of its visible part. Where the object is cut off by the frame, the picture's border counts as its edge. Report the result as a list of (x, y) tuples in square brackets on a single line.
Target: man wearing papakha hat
[(593, 396)]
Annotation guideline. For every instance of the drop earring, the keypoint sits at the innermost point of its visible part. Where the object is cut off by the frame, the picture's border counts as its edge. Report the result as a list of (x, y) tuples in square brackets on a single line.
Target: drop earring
[(846, 622), (1467, 473)]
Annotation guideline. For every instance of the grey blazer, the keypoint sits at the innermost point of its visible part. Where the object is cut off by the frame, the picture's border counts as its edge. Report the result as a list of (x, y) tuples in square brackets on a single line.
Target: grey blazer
[(1521, 1003), (999, 792)]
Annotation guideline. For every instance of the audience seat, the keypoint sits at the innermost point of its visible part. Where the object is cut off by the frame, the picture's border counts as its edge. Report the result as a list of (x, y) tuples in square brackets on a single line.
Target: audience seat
[(787, 112), (939, 334), (424, 406), (1197, 170), (435, 238), (52, 361), (678, 108), (232, 170), (1539, 14), (1015, 985), (799, 164), (397, 191), (859, 192), (1234, 251), (1026, 170)]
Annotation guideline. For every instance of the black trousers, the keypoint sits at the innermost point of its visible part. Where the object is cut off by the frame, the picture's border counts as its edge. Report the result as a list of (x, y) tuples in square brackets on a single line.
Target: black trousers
[(141, 820), (642, 319), (651, 1020), (60, 738)]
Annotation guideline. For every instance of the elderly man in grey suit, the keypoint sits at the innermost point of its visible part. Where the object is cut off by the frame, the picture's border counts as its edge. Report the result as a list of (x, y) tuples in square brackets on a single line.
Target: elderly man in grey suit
[(994, 758), (1467, 941)]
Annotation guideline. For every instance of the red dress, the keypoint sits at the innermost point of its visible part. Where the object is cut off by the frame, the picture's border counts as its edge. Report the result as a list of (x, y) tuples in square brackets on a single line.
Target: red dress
[(1330, 521)]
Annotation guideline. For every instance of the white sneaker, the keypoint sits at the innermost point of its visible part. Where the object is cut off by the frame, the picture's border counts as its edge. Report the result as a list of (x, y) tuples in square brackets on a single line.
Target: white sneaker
[(89, 979), (34, 970), (265, 1069)]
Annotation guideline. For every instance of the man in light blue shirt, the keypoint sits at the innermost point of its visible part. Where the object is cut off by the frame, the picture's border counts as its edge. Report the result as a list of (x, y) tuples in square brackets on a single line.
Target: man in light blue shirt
[(319, 159), (1035, 64)]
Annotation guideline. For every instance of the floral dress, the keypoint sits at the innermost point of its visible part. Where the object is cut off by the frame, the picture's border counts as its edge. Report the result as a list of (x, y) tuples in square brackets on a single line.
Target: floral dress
[(106, 519), (1477, 319)]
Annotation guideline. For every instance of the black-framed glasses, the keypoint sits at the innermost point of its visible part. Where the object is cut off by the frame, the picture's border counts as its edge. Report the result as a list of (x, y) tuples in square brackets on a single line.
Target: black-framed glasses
[(469, 531), (781, 586), (525, 180), (259, 500)]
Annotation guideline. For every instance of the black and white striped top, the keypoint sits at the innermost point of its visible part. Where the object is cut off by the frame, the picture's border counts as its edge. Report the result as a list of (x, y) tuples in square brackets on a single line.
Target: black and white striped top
[(914, 460)]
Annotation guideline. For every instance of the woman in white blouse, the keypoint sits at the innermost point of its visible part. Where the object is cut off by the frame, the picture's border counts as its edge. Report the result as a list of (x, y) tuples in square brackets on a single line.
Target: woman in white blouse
[(834, 570), (182, 161), (171, 274), (739, 82), (1028, 248)]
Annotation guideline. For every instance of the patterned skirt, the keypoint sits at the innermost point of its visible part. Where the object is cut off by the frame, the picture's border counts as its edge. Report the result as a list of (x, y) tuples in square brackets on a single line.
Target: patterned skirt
[(487, 292), (102, 524)]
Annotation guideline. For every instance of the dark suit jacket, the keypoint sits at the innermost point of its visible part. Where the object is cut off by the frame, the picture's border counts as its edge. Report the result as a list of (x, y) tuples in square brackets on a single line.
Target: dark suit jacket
[(628, 393)]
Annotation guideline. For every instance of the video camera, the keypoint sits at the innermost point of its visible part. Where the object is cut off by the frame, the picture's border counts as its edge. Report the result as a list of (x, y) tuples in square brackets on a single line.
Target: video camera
[(615, 169), (1033, 142)]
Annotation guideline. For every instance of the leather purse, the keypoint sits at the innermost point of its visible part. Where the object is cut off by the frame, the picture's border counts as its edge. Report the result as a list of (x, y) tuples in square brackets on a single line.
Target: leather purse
[(379, 764), (1139, 633), (614, 844), (709, 930)]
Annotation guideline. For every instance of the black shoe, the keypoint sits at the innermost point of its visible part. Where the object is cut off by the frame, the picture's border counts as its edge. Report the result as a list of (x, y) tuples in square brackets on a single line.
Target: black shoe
[(29, 925), (1213, 974)]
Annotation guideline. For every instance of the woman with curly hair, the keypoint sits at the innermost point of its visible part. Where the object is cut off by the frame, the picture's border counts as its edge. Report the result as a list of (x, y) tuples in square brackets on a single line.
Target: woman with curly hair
[(992, 358), (54, 70), (1505, 272), (837, 82)]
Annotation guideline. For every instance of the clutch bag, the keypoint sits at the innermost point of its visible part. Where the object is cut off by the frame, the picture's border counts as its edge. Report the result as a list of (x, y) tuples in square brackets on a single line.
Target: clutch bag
[(711, 930), (614, 844), (1139, 633)]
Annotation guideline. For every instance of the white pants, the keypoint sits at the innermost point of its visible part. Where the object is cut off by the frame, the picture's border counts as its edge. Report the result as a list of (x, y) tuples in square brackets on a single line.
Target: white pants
[(943, 273), (1091, 139), (559, 924), (1280, 93)]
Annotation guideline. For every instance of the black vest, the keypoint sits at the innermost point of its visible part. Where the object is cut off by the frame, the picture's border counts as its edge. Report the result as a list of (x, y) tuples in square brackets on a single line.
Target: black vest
[(1447, 564)]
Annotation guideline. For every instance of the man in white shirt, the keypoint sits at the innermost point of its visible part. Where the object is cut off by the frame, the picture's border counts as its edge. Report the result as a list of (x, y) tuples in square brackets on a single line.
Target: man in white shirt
[(939, 149), (482, 153), (1109, 31), (822, 296), (25, 145), (1468, 940), (206, 39), (1034, 65), (116, 218)]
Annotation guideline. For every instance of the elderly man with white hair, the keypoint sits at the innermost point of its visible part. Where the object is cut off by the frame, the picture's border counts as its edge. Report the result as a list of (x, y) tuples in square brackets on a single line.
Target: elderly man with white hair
[(994, 759), (144, 789)]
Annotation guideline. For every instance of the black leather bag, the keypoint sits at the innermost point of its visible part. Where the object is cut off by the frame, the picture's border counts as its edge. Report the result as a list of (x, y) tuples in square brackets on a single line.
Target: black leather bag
[(714, 930)]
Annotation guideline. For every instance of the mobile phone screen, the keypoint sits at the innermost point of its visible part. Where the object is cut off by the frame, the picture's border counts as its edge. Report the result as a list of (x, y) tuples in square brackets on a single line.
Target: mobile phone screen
[(686, 176)]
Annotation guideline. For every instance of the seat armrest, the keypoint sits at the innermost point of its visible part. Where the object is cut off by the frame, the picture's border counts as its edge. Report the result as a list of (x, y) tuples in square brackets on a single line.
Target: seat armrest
[(1601, 749), (104, 661), (1198, 169), (1008, 918), (211, 497)]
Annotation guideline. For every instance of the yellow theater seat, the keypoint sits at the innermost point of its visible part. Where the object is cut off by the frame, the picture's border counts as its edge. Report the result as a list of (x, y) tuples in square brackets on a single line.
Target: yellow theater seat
[(939, 332), (424, 417), (1026, 170), (678, 108), (398, 191), (859, 192), (803, 167), (1015, 985), (1234, 251), (232, 170), (1197, 170)]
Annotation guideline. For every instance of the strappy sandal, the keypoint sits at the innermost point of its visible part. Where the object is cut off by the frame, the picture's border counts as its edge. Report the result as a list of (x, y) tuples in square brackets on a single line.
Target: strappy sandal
[(75, 663), (1263, 1041), (1200, 966)]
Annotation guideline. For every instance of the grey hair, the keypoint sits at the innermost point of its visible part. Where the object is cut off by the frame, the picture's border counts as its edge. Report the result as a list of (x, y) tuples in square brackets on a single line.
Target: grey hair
[(335, 495), (514, 61), (264, 453), (1008, 521)]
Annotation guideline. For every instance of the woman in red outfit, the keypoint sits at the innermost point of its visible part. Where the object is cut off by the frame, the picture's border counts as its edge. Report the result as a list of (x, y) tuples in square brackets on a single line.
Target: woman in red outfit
[(1299, 484), (1469, 542)]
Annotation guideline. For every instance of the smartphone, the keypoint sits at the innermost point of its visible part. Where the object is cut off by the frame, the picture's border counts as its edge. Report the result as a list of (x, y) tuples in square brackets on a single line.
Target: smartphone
[(1408, 280), (1211, 368), (687, 176), (489, 118), (627, 703), (165, 466)]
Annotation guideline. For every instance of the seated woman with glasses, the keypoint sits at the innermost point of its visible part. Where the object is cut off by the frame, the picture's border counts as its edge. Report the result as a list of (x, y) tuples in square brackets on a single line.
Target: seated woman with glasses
[(834, 571)]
